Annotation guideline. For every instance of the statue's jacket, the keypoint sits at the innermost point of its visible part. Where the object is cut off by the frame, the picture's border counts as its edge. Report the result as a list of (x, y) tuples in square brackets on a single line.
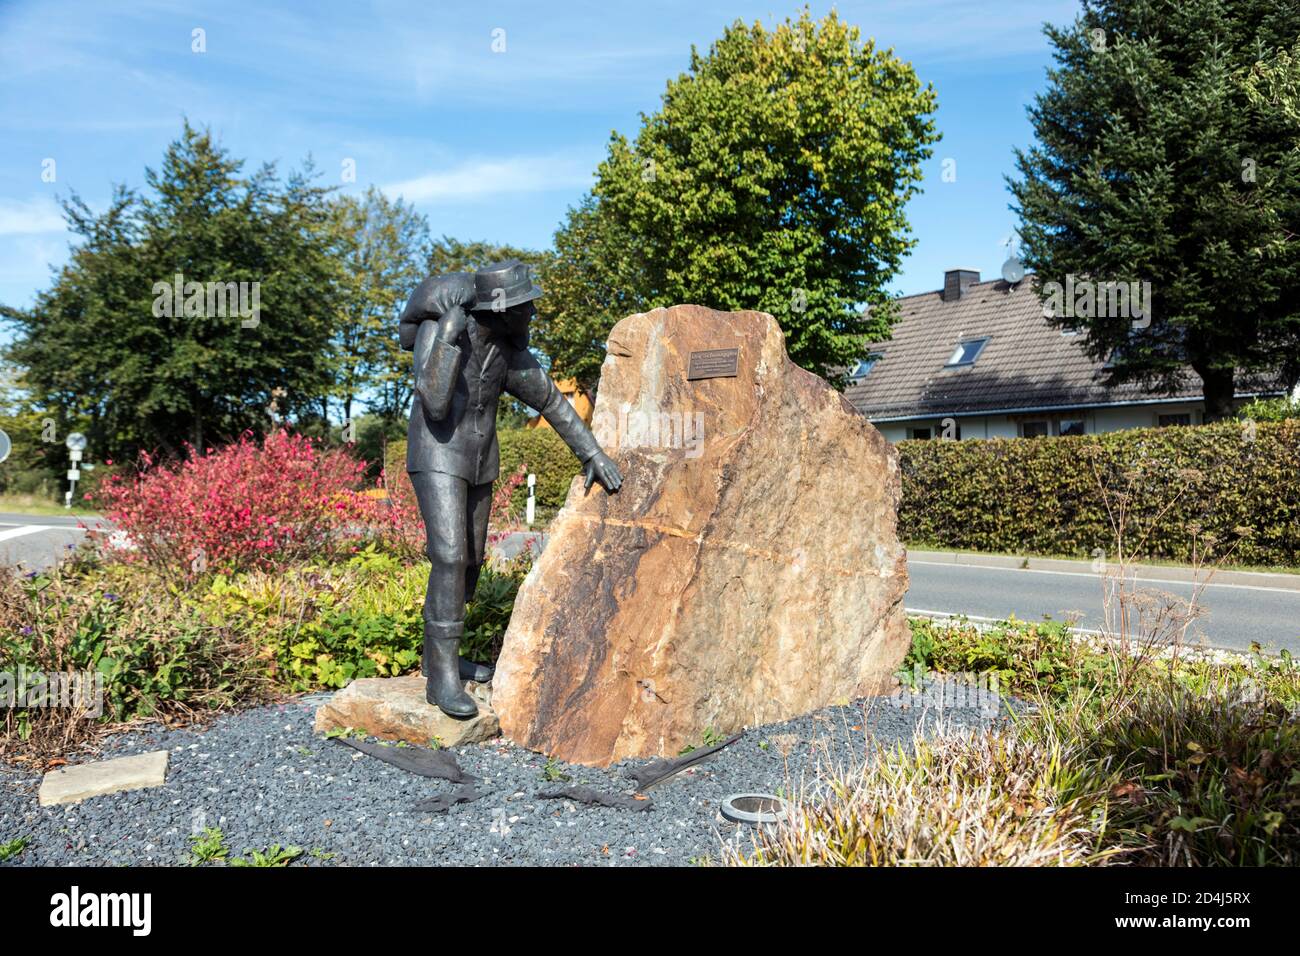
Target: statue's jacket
[(453, 414)]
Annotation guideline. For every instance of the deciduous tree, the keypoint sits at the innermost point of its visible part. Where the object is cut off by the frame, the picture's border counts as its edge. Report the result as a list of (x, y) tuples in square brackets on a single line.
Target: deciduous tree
[(773, 176)]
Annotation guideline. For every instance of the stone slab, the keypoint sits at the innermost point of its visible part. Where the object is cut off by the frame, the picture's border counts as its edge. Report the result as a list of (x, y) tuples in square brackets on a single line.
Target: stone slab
[(83, 781), (394, 708)]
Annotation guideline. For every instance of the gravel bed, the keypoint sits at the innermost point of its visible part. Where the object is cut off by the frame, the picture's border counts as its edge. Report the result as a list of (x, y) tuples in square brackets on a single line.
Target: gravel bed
[(264, 778)]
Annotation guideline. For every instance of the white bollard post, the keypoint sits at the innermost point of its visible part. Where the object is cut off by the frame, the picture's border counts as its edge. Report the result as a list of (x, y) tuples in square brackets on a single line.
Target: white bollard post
[(531, 511)]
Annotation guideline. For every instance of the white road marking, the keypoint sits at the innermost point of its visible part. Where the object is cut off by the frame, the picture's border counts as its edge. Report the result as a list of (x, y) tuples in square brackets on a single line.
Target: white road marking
[(1096, 576), (25, 529)]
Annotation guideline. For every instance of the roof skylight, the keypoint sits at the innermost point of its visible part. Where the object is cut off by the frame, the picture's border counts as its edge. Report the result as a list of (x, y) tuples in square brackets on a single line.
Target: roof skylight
[(966, 352)]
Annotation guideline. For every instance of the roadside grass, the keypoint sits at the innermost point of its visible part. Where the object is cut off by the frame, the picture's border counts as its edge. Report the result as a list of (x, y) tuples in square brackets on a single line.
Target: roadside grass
[(39, 505), (1109, 754)]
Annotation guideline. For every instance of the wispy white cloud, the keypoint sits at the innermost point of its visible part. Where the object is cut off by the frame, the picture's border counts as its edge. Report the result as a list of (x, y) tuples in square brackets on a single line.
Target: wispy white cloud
[(480, 178), (19, 217), (958, 31)]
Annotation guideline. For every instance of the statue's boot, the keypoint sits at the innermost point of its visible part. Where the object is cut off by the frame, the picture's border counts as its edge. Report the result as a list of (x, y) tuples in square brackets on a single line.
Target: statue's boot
[(469, 670), (479, 673), (444, 686)]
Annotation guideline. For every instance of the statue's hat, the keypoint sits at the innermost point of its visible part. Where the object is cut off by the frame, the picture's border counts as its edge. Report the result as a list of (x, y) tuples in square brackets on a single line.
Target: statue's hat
[(502, 285)]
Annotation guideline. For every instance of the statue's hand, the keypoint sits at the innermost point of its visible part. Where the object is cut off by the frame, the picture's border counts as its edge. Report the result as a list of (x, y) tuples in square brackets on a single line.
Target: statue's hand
[(600, 467), (452, 323)]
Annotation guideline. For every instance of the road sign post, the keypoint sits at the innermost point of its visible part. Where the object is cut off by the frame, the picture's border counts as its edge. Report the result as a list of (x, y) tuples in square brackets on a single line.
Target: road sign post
[(76, 443)]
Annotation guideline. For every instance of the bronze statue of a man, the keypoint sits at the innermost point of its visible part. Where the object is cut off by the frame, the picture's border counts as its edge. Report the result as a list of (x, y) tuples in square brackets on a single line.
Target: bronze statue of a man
[(469, 333)]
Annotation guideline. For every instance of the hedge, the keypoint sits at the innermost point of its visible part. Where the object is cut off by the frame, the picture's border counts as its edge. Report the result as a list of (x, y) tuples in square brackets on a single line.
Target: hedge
[(540, 450), (1044, 495)]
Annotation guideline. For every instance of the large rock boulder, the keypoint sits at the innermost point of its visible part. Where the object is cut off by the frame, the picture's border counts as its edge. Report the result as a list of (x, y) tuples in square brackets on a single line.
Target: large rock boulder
[(748, 571)]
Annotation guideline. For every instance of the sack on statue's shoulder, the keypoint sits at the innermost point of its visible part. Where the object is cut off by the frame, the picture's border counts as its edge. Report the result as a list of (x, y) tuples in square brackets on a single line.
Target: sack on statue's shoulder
[(432, 299)]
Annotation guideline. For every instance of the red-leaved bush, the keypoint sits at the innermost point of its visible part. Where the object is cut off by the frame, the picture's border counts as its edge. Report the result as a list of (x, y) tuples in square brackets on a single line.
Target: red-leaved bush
[(246, 505)]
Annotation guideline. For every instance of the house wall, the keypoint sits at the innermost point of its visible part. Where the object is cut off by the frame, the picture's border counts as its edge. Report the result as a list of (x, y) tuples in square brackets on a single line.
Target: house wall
[(1008, 426), (1145, 416)]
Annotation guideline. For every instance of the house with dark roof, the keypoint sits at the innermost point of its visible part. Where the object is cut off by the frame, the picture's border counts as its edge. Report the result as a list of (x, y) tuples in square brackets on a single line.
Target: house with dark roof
[(980, 360)]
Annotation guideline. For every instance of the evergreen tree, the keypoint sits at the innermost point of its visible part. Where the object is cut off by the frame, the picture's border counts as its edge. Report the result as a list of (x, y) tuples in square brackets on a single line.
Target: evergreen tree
[(1167, 152)]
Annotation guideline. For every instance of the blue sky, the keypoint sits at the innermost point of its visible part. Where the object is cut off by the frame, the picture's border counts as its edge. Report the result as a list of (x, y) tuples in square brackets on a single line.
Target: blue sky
[(490, 145)]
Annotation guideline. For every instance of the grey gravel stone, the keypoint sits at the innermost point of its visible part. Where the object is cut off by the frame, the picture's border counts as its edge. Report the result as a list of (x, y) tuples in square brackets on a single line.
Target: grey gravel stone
[(263, 778)]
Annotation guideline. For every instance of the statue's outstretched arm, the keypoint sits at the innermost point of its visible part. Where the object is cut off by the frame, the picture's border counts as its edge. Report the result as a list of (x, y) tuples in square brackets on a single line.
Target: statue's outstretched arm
[(527, 381)]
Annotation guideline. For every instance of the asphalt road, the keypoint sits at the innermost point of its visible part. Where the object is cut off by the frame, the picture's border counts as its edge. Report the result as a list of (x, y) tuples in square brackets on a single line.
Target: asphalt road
[(35, 541), (1234, 614)]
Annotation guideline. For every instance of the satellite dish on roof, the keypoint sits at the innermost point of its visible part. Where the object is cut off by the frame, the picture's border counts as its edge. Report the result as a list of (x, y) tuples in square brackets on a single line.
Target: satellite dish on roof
[(1013, 270)]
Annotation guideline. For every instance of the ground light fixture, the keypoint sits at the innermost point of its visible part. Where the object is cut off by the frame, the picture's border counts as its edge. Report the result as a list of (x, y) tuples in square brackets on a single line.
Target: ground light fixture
[(758, 809)]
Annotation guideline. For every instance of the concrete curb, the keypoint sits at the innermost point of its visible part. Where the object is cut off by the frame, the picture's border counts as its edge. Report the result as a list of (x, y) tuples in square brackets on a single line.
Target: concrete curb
[(1142, 572)]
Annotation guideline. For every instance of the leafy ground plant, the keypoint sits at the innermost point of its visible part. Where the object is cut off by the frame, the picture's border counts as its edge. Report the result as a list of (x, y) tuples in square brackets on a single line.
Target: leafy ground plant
[(273, 855), (12, 849), (208, 847), (553, 772)]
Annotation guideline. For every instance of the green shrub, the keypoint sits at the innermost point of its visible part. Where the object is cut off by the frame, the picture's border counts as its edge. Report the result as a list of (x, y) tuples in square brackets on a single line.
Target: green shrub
[(324, 626), (1234, 483), (1195, 761), (1202, 777), (158, 657), (543, 453), (1112, 756), (1024, 656), (1269, 410), (175, 651), (488, 613)]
